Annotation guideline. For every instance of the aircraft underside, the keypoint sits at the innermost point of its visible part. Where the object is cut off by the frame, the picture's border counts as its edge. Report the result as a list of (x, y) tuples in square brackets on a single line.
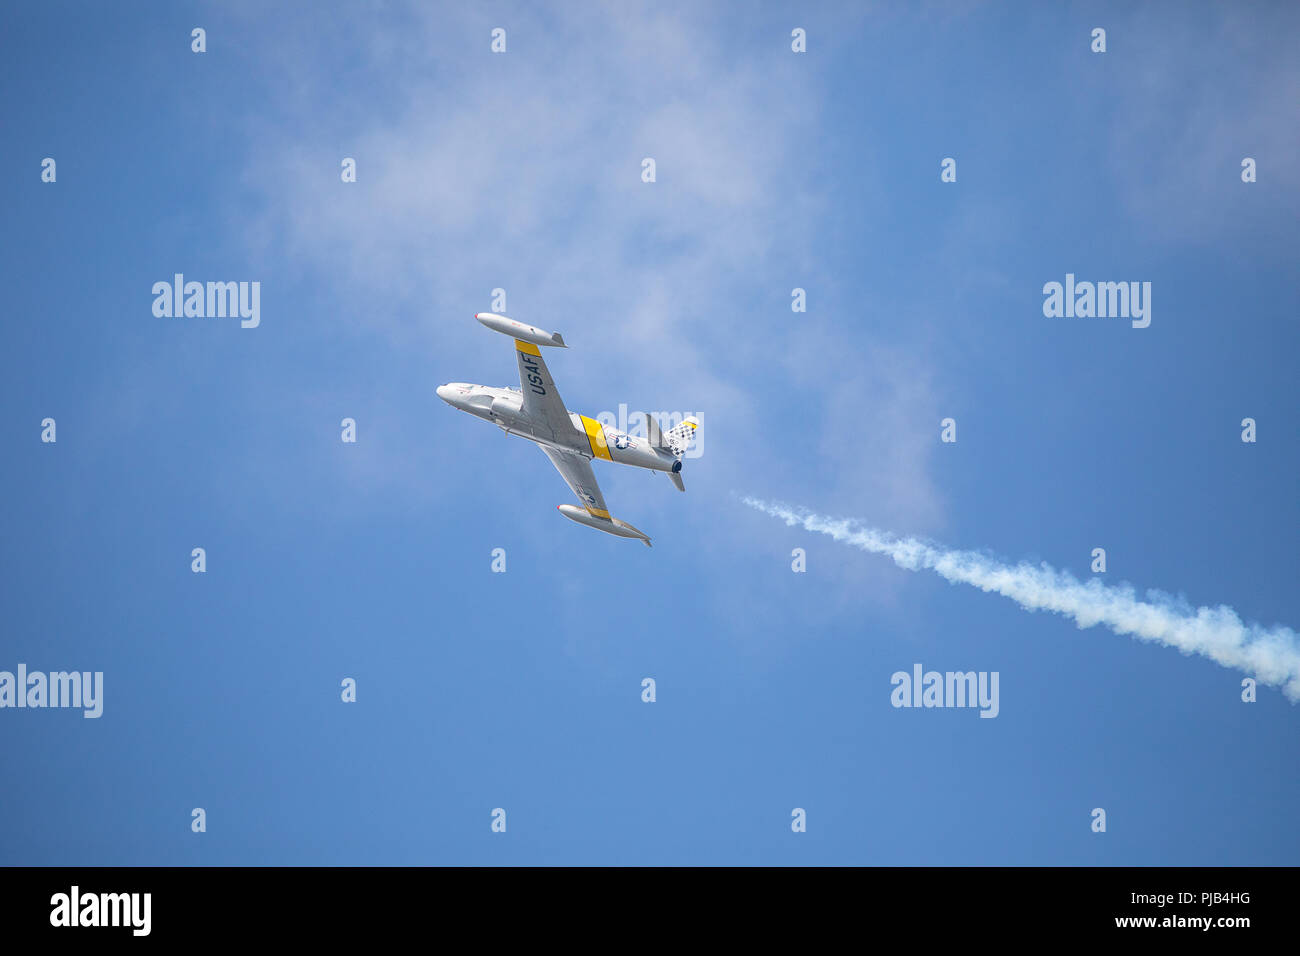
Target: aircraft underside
[(571, 441)]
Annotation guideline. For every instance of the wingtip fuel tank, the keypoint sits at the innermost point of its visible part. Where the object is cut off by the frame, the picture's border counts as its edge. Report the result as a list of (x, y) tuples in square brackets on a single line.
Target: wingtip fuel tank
[(519, 330), (610, 526)]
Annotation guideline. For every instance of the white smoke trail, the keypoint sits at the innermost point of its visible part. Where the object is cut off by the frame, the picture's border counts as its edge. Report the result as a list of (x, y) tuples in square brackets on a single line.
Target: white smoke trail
[(1270, 655)]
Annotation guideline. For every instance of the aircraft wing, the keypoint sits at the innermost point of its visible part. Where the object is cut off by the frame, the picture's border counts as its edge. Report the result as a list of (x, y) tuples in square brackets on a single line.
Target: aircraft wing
[(542, 402), (576, 470)]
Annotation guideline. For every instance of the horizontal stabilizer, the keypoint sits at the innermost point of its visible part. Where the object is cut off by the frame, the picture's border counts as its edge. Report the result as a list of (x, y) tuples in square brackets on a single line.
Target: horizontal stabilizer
[(655, 434), (676, 441)]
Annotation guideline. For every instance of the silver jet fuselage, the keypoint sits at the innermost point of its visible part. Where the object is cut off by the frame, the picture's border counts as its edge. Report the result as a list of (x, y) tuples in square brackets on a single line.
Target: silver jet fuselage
[(588, 437), (536, 412)]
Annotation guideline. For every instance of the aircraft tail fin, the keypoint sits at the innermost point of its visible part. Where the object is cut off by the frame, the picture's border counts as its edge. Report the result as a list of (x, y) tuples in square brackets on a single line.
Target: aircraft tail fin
[(677, 440), (680, 438)]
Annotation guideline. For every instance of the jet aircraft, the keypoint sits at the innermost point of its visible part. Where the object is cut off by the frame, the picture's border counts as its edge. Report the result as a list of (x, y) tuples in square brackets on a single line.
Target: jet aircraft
[(571, 441)]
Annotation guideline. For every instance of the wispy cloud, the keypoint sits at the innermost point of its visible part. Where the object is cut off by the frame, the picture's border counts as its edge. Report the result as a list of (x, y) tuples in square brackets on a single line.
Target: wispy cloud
[(523, 170), (1211, 89)]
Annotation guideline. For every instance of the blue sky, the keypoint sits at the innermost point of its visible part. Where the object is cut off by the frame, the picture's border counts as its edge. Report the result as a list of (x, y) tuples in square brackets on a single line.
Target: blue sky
[(521, 171)]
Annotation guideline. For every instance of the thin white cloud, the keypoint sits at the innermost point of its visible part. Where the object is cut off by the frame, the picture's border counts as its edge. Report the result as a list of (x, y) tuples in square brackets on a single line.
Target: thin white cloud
[(1186, 98), (523, 170)]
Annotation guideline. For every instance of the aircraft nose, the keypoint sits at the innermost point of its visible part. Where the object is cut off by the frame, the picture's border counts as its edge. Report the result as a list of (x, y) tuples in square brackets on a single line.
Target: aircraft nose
[(444, 392)]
